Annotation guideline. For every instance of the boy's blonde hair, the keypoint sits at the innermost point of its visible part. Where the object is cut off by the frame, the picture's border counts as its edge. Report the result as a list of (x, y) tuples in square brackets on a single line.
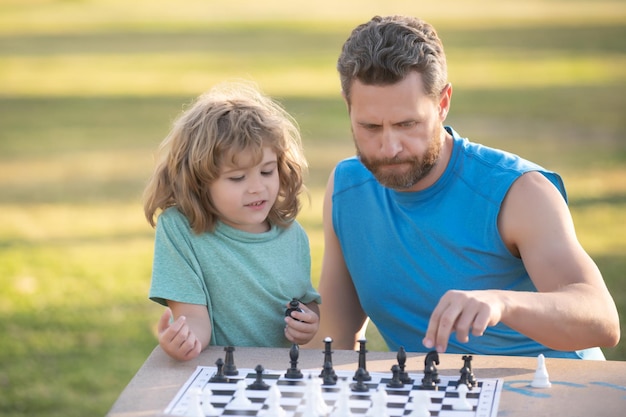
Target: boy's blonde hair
[(218, 126)]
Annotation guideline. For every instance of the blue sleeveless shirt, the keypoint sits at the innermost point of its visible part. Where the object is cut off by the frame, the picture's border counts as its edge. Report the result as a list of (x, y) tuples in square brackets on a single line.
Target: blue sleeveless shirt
[(404, 250)]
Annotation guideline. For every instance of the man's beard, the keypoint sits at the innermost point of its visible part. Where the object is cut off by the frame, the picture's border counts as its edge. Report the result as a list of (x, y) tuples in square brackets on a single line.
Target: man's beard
[(415, 168)]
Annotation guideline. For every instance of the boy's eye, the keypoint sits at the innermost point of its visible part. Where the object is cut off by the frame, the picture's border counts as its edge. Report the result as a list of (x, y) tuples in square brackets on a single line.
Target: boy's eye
[(236, 179), (267, 173)]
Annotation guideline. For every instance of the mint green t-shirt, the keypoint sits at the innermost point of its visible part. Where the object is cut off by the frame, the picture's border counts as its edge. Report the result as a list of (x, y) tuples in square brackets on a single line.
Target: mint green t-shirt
[(244, 279)]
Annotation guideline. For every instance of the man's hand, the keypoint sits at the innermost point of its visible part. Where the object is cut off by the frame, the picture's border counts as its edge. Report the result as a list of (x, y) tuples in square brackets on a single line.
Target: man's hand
[(462, 312)]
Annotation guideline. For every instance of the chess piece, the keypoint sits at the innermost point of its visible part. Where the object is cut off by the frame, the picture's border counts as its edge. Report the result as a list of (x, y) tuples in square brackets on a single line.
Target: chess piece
[(461, 403), (293, 372), (431, 375), (359, 385), (329, 377), (363, 361), (294, 305), (229, 365), (240, 400), (273, 404), (259, 384), (195, 403), (207, 407), (219, 375), (315, 405), (342, 405), (395, 381), (401, 357), (379, 404), (421, 402), (327, 370), (541, 378), (467, 376)]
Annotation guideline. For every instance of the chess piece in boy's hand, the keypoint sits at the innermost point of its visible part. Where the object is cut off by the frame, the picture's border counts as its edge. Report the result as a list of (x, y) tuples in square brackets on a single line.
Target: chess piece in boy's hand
[(301, 323)]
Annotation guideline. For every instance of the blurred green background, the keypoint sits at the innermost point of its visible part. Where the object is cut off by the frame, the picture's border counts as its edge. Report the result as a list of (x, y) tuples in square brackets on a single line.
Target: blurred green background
[(88, 89)]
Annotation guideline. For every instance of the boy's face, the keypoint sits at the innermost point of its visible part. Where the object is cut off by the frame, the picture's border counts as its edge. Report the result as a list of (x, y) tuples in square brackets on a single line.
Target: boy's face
[(245, 192)]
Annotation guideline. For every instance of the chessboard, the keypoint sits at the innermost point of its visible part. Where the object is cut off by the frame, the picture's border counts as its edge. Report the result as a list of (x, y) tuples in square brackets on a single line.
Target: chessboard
[(198, 391)]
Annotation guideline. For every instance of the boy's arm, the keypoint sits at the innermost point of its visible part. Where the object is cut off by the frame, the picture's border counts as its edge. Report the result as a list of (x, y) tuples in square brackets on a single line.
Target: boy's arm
[(189, 334)]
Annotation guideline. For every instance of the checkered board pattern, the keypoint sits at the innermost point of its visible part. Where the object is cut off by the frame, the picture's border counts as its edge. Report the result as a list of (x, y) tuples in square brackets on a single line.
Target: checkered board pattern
[(484, 398)]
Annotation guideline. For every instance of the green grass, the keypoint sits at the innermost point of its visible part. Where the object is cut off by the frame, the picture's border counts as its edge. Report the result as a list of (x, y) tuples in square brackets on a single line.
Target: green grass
[(89, 88)]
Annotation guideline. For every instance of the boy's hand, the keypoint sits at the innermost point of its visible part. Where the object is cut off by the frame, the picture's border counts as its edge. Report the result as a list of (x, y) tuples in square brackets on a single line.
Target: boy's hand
[(301, 326), (177, 339)]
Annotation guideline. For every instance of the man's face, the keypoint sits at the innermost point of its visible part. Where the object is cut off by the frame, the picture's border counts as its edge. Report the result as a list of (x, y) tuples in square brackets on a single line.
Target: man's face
[(397, 130)]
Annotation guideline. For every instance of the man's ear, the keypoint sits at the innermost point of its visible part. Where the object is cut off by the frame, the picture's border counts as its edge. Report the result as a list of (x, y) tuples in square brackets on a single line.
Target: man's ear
[(445, 99)]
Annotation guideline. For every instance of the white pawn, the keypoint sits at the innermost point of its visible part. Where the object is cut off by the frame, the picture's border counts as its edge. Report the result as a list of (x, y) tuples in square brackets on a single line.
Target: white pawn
[(273, 404), (342, 405), (421, 401), (195, 406), (379, 404), (541, 379), (207, 407), (461, 403), (240, 400)]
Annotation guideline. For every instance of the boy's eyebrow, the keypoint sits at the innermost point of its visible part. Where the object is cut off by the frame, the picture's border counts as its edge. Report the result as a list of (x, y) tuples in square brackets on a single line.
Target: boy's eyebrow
[(227, 169)]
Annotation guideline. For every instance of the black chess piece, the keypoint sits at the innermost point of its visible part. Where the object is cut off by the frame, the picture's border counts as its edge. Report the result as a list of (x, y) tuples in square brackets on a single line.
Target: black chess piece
[(328, 360), (359, 385), (431, 375), (293, 372), (395, 381), (362, 361), (293, 306), (404, 376), (230, 368), (219, 375), (467, 376), (259, 384), (328, 374)]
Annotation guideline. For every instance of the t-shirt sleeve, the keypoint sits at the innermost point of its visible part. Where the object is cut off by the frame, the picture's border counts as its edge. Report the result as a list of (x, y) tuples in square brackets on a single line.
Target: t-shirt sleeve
[(176, 274)]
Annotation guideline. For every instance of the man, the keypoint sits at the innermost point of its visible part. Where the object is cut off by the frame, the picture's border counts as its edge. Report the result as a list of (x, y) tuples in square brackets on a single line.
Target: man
[(428, 234)]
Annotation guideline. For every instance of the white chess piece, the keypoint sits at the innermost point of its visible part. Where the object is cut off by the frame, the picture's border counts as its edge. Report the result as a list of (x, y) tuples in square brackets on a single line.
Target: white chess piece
[(421, 401), (207, 407), (273, 404), (541, 379), (314, 403), (342, 405), (240, 400), (461, 403), (195, 406), (379, 404)]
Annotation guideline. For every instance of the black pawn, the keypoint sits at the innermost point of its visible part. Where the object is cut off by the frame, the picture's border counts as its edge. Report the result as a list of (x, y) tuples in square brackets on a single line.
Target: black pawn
[(359, 385), (362, 361), (467, 376), (395, 381), (219, 375), (404, 376), (230, 368), (328, 374), (293, 372), (259, 384)]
